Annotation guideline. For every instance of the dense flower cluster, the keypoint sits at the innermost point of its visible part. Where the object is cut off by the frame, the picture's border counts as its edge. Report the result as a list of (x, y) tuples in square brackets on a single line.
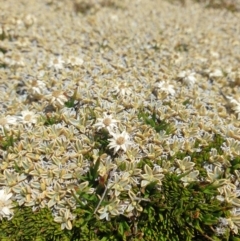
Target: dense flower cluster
[(80, 89)]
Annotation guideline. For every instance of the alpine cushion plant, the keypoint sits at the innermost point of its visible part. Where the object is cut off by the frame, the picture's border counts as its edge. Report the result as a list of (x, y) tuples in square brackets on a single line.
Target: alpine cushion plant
[(108, 133)]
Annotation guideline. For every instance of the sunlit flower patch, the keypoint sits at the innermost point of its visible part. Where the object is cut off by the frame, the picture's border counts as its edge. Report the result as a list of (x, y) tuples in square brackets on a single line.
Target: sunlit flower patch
[(115, 125)]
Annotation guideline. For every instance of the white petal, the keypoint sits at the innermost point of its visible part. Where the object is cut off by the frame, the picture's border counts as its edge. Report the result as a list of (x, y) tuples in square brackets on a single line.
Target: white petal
[(144, 183), (1, 193), (51, 203), (124, 147), (6, 211), (58, 219), (148, 170), (69, 225), (8, 196)]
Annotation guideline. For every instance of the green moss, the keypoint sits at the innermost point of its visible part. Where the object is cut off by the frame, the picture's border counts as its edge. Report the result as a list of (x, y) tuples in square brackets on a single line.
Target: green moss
[(180, 213), (175, 212), (70, 103), (202, 157), (157, 124), (27, 225), (50, 119), (8, 139), (3, 36)]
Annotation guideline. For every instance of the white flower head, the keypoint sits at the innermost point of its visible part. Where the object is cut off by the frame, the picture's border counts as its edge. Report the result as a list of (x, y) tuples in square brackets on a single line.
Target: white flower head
[(122, 89), (185, 165), (28, 117), (191, 177), (5, 122), (188, 77), (57, 98), (65, 217), (235, 105), (106, 122), (119, 183), (15, 60), (214, 174), (74, 61), (5, 205), (152, 175), (166, 87), (110, 210), (119, 141), (37, 88), (234, 220), (57, 63)]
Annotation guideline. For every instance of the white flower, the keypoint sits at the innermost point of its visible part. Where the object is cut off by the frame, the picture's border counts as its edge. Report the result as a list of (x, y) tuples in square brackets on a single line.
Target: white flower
[(106, 122), (57, 98), (15, 60), (56, 63), (28, 117), (134, 204), (68, 114), (112, 209), (74, 61), (119, 141), (185, 165), (119, 183), (5, 205), (187, 77), (191, 177), (37, 88), (65, 219), (122, 89), (215, 174), (234, 220), (235, 105), (106, 166), (5, 122), (166, 87), (152, 175)]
